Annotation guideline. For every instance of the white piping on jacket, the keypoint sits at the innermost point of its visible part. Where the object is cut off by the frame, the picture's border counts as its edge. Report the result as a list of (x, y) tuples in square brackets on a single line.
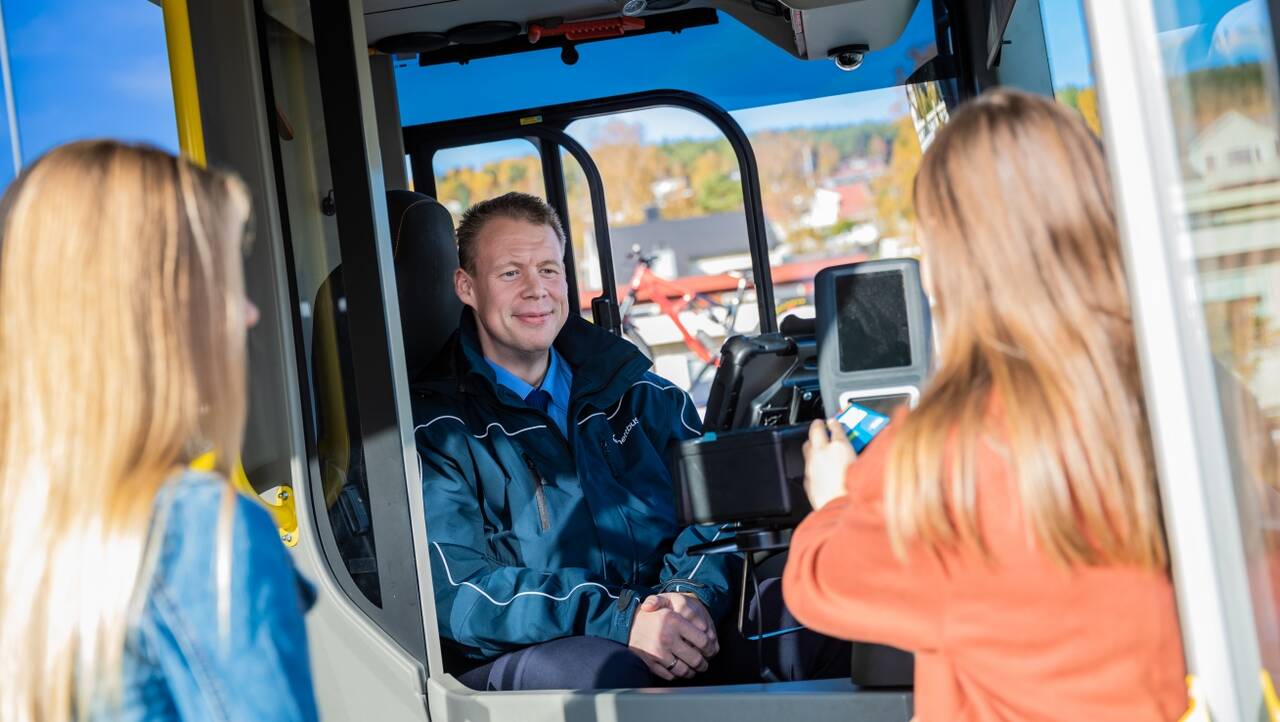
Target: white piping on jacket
[(684, 403), (517, 432), (485, 594), (703, 557)]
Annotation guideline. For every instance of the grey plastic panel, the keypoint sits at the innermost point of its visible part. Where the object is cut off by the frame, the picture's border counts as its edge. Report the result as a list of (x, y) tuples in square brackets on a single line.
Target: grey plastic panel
[(839, 387), (874, 23), (835, 700), (358, 671)]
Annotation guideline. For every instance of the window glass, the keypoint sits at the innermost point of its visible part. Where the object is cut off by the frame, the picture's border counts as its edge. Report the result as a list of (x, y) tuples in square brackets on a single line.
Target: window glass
[(66, 56), (835, 177), (1070, 60), (678, 234), (469, 174), (322, 300), (1221, 68)]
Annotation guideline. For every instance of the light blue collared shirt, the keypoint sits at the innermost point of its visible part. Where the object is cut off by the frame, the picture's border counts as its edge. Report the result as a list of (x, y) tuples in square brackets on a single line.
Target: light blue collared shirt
[(558, 382)]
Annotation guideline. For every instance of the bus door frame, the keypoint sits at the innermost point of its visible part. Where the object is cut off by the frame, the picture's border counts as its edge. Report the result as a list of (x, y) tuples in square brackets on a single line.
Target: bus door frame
[(1207, 555), (406, 619)]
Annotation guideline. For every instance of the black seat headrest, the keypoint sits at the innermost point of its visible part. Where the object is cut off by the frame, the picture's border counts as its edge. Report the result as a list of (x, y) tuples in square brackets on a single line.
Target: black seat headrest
[(426, 257)]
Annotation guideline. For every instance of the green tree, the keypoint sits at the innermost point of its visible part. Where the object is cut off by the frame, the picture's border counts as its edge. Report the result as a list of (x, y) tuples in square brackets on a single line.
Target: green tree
[(1084, 101)]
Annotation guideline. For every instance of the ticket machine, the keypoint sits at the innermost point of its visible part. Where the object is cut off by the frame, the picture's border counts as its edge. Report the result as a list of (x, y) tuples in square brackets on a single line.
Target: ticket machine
[(870, 345)]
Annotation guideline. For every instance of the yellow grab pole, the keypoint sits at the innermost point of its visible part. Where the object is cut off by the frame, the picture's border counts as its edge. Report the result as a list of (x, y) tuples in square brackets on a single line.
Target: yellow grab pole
[(186, 104), (182, 72)]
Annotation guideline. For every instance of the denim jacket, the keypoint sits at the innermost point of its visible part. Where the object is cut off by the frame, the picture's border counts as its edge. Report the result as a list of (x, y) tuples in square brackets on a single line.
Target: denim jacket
[(177, 665)]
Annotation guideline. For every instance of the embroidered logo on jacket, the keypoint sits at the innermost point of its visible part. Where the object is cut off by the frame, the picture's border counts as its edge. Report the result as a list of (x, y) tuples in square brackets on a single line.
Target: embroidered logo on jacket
[(626, 432)]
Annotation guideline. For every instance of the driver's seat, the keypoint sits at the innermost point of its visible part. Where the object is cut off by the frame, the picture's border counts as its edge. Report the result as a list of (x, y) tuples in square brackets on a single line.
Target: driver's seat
[(426, 257)]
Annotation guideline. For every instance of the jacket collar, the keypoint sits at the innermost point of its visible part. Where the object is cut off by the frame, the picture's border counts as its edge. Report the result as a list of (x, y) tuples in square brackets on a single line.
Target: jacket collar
[(604, 366)]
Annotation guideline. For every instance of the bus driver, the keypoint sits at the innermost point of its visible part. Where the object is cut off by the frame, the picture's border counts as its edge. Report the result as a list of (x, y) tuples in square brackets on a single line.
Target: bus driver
[(556, 557)]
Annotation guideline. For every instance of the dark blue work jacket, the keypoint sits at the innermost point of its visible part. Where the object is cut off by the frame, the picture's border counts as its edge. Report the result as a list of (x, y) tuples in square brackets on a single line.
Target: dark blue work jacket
[(535, 536)]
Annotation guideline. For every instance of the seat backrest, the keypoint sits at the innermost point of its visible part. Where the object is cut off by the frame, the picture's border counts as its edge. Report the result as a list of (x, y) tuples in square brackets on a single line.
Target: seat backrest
[(426, 257)]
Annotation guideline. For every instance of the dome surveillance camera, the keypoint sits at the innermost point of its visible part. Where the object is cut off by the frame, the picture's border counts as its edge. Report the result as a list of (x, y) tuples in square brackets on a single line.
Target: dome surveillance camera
[(848, 57)]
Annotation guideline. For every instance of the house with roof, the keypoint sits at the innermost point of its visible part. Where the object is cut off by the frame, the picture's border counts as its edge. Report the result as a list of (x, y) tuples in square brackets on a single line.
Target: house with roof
[(1235, 150), (699, 246), (1233, 206)]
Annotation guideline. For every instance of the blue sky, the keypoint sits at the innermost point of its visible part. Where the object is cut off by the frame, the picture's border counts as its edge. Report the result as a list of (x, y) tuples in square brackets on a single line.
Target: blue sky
[(666, 124), (92, 68), (1065, 34), (87, 68)]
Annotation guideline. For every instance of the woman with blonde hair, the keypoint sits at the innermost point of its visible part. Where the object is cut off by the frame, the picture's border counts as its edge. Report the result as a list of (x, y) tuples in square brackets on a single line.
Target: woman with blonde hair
[(130, 587), (1008, 531)]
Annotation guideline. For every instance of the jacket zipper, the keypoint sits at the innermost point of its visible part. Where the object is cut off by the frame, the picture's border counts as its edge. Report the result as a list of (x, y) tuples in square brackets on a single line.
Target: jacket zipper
[(539, 496), (635, 562)]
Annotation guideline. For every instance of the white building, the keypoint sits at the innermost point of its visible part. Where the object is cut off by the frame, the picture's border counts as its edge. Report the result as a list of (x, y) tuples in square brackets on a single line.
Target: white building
[(1235, 150), (1234, 209), (824, 209)]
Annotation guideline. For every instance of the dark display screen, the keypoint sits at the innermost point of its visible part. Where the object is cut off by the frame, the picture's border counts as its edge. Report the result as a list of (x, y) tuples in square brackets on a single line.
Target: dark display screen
[(872, 322)]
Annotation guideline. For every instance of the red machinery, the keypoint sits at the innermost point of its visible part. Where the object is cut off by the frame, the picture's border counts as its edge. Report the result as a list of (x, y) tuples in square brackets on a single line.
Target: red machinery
[(586, 29)]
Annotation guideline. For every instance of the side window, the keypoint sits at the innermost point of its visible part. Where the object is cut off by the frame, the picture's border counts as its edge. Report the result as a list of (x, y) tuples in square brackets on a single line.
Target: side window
[(1220, 76), (358, 495), (1070, 60), (323, 305), (469, 174), (678, 235)]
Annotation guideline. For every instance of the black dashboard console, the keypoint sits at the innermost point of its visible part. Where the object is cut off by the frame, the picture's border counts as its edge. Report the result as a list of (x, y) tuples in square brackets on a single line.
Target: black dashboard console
[(869, 344), (749, 476), (872, 347)]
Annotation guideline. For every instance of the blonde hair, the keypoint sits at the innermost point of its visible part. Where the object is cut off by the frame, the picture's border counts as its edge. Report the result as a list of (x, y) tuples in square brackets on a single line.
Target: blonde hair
[(1022, 249), (122, 355)]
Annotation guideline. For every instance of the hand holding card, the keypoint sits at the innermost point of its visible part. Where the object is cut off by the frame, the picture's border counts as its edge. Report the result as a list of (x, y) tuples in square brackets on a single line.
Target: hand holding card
[(861, 425)]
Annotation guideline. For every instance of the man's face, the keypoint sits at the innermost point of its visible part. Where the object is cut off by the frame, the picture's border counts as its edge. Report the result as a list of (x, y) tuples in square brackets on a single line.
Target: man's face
[(519, 292)]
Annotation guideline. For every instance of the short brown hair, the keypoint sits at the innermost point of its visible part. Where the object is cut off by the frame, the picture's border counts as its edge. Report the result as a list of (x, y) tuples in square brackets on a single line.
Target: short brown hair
[(514, 206)]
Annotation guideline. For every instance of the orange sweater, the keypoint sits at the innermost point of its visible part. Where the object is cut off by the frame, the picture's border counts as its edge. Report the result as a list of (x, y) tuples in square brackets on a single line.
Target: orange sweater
[(1020, 639)]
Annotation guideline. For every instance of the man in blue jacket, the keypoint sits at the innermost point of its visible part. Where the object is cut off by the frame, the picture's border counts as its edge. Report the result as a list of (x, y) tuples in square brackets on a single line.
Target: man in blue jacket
[(556, 558)]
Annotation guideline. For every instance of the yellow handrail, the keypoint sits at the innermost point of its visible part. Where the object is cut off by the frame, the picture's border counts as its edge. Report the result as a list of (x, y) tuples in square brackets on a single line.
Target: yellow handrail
[(186, 105), (279, 500), (182, 73)]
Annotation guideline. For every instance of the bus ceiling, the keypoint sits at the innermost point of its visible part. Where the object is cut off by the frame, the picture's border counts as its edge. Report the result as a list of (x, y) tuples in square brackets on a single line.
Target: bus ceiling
[(450, 32)]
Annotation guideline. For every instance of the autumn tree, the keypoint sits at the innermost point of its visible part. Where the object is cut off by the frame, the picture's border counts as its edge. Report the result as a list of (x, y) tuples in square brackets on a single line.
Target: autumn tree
[(1085, 102), (786, 180), (464, 186), (628, 168), (892, 190)]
